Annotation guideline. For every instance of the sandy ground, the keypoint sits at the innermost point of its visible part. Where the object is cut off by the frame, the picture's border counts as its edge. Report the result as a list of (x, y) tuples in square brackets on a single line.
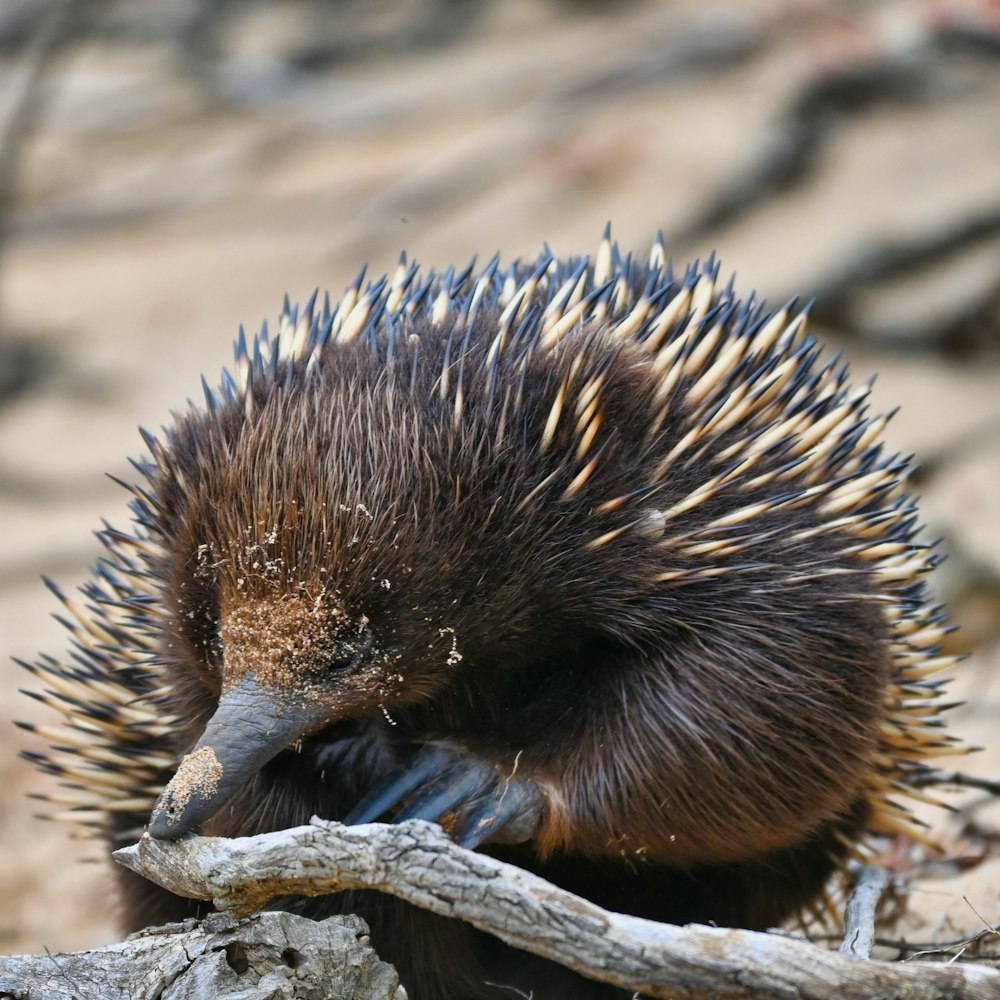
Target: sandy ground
[(151, 222)]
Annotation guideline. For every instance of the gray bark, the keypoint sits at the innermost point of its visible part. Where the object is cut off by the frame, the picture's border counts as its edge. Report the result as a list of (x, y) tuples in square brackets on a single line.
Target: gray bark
[(416, 861), (859, 915), (274, 956)]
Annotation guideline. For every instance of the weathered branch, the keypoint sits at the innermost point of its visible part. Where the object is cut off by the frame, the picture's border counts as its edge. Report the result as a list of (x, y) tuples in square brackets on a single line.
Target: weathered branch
[(859, 917), (416, 861), (273, 955)]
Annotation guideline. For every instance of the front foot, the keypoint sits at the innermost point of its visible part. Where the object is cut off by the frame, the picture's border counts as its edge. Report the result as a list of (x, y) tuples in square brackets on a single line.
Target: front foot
[(471, 798)]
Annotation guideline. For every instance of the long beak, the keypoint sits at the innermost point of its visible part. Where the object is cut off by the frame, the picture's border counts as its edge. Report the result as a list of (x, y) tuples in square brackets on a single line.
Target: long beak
[(251, 726)]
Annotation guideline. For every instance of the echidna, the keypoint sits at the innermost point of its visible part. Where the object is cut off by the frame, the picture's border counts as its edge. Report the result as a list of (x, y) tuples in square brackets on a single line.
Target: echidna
[(590, 560)]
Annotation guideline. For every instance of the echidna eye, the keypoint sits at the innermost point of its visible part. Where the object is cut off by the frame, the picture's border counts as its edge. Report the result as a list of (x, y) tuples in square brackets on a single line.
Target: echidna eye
[(348, 653)]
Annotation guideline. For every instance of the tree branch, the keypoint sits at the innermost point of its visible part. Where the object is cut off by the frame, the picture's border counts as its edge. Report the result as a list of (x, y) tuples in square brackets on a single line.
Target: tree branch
[(417, 862), (859, 916)]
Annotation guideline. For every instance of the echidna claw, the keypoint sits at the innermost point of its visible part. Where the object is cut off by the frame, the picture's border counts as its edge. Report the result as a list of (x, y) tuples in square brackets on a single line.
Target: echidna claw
[(466, 793), (394, 789)]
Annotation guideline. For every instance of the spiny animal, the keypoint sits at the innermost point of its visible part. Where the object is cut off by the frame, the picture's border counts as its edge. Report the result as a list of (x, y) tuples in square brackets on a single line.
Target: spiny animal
[(592, 561)]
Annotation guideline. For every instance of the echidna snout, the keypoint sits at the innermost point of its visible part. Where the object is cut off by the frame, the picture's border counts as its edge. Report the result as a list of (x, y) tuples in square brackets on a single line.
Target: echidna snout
[(291, 665), (250, 727)]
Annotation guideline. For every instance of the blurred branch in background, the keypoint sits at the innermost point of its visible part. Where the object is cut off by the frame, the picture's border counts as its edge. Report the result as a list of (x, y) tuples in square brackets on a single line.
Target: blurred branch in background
[(54, 24), (912, 73), (972, 324), (918, 71)]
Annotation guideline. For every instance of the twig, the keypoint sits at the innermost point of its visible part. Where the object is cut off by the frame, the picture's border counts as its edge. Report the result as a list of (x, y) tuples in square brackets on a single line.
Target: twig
[(988, 931), (913, 949), (417, 862), (859, 915), (923, 779)]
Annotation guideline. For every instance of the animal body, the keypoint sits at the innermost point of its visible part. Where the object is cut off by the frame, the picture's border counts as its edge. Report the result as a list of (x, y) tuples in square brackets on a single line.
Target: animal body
[(594, 562)]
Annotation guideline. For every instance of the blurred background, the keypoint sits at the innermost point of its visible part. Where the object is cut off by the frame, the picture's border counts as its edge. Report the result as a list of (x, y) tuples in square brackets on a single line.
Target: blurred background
[(170, 168)]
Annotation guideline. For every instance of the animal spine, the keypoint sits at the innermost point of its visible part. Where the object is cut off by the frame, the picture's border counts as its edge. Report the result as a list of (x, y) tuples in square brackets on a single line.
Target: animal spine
[(596, 534)]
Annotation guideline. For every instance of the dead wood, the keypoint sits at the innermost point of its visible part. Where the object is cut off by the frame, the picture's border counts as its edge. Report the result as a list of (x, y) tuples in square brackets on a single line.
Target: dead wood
[(273, 956), (417, 862), (859, 915)]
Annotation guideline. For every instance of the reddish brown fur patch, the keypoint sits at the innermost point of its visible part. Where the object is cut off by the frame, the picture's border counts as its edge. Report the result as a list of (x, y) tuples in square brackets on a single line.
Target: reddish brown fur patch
[(279, 638)]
